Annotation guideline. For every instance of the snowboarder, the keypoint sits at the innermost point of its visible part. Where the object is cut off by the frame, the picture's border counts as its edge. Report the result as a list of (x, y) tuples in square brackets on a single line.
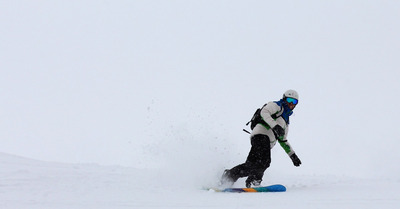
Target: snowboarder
[(268, 127)]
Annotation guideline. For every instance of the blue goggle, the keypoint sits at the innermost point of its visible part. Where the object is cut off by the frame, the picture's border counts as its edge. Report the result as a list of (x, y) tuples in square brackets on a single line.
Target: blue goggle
[(292, 100)]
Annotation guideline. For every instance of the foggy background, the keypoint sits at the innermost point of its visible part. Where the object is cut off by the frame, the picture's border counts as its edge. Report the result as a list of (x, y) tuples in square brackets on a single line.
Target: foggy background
[(172, 83)]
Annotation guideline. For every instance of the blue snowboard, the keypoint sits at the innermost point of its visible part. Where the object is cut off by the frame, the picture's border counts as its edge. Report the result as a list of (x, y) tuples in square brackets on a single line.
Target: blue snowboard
[(272, 188)]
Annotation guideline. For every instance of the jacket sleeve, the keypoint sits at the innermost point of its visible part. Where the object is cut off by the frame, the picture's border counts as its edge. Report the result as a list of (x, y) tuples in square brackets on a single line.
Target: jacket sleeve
[(266, 114), (286, 146)]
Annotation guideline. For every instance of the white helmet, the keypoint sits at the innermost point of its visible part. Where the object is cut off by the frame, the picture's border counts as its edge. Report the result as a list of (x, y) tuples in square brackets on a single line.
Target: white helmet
[(292, 94)]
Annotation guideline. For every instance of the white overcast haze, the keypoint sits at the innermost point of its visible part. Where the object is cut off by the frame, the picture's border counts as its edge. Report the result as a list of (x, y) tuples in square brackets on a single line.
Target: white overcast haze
[(172, 83)]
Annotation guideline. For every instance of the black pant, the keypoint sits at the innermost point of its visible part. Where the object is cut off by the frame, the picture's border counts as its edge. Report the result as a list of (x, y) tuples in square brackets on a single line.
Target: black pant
[(257, 162)]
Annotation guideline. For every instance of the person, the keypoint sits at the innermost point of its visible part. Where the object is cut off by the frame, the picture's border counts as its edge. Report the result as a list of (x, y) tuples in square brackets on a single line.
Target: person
[(271, 127)]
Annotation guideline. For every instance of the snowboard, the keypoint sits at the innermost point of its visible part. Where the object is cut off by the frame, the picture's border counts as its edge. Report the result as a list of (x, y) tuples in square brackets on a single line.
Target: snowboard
[(271, 188)]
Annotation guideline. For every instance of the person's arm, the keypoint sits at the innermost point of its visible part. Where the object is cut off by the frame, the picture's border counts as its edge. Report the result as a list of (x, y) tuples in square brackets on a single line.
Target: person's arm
[(289, 150)]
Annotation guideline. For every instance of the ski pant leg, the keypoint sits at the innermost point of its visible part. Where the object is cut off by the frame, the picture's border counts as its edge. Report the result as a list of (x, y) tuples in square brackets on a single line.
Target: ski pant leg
[(260, 157), (257, 162)]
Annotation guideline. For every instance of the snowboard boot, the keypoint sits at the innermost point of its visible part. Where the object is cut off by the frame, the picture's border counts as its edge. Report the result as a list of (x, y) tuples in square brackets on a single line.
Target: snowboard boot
[(250, 182)]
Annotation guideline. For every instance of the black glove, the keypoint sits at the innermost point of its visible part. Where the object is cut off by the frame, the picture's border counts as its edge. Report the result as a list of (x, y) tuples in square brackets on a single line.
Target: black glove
[(279, 132), (296, 161)]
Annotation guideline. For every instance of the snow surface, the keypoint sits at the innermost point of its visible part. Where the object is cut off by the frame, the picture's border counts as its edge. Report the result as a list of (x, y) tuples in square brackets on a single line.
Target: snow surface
[(32, 184)]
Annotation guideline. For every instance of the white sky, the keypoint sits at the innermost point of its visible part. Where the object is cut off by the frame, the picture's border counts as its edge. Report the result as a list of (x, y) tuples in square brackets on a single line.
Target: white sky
[(129, 82)]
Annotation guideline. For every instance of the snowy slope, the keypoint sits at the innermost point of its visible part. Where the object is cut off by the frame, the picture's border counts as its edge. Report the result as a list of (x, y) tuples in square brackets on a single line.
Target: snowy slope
[(31, 184), (162, 89)]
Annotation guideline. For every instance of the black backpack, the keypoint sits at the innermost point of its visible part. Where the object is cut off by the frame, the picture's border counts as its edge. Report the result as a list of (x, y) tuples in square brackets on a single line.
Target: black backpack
[(256, 119)]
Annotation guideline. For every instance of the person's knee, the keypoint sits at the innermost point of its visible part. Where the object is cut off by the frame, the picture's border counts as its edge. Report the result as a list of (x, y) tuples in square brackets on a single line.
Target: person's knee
[(266, 163)]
